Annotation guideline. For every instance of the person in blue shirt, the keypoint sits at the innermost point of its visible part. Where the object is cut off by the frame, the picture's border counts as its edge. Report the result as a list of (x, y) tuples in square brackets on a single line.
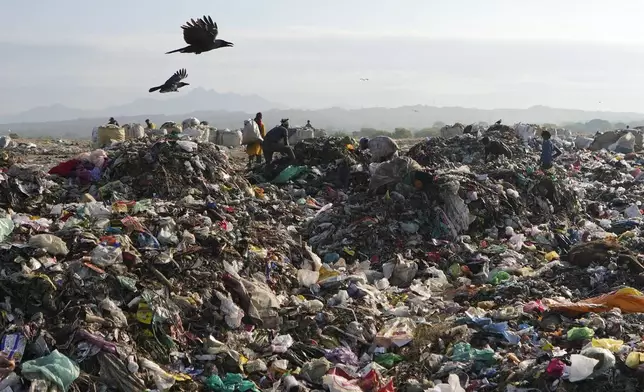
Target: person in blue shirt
[(548, 151)]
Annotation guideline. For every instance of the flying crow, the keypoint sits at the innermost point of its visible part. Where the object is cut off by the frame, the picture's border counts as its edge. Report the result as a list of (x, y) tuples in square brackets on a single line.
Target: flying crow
[(174, 83), (364, 79), (201, 36)]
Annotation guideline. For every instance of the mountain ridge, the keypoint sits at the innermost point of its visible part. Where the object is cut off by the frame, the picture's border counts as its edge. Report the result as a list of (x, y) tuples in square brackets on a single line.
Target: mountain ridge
[(196, 99)]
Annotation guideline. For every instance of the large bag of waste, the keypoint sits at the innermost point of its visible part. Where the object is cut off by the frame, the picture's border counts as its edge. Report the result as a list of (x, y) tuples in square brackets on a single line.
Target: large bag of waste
[(251, 134), (134, 131), (393, 171), (228, 138), (381, 147), (198, 133), (301, 134), (107, 134), (191, 122), (5, 141), (583, 142), (449, 131), (171, 126), (604, 140), (625, 144), (212, 135), (525, 131)]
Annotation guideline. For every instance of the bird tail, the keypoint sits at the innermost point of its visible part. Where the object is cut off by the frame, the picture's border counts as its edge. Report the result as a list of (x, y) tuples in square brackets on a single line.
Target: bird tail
[(153, 89), (182, 50)]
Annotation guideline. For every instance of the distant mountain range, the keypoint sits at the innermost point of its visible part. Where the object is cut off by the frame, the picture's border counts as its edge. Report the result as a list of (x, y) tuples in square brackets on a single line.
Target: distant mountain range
[(196, 100), (229, 111)]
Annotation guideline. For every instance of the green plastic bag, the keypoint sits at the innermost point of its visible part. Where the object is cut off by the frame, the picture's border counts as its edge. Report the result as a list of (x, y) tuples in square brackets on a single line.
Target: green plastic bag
[(55, 367), (388, 360), (232, 382), (580, 333), (499, 277), (289, 173)]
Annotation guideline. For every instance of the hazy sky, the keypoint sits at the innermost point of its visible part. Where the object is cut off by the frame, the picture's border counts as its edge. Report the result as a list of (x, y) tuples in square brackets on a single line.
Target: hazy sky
[(488, 54)]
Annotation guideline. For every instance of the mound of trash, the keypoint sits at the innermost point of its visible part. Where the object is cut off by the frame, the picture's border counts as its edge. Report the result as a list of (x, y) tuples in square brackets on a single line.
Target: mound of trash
[(165, 169), (465, 148), (158, 266)]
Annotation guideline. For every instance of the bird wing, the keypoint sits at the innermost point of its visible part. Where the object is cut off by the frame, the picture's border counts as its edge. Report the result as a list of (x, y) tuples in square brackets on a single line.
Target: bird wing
[(177, 77), (200, 32)]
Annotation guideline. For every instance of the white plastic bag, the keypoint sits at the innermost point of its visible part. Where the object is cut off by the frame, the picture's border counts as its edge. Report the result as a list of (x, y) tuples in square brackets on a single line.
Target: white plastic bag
[(228, 138), (301, 134), (626, 143), (191, 122), (49, 242), (251, 134)]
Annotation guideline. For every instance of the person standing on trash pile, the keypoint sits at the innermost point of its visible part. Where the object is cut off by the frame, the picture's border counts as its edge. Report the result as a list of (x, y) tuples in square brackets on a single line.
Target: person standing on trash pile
[(112, 121), (150, 125), (382, 148), (254, 150), (495, 148), (548, 151), (308, 124), (276, 140)]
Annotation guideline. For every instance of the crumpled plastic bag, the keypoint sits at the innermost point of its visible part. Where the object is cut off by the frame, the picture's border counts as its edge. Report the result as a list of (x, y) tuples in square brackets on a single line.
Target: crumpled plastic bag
[(232, 382), (453, 385), (6, 228), (289, 173), (55, 367), (397, 332), (49, 242), (393, 171)]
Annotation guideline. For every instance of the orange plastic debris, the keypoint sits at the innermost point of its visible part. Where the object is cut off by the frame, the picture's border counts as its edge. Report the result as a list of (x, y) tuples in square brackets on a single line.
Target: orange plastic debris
[(628, 300)]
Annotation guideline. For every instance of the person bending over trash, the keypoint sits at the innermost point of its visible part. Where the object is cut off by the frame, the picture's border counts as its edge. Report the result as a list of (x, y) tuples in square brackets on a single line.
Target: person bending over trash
[(112, 121), (382, 148), (254, 150), (276, 140), (548, 151), (150, 125), (495, 148)]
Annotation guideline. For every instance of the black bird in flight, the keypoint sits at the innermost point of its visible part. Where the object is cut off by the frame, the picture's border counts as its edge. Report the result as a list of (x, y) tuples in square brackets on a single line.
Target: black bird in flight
[(201, 36), (174, 83), (364, 79)]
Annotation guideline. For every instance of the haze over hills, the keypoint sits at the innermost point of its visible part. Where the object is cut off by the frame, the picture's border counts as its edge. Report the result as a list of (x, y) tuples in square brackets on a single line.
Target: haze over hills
[(197, 99), (229, 110)]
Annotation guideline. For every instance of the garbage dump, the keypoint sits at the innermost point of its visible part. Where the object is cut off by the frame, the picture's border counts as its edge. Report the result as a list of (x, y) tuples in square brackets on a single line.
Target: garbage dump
[(166, 265), (624, 141)]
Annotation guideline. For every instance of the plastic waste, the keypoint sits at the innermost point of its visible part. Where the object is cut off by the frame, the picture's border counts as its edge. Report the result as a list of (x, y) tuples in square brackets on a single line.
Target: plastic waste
[(580, 333), (6, 228), (612, 345), (634, 359), (231, 382), (453, 385), (162, 379), (54, 367), (289, 173), (50, 243), (628, 300), (396, 332), (107, 255), (581, 367)]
